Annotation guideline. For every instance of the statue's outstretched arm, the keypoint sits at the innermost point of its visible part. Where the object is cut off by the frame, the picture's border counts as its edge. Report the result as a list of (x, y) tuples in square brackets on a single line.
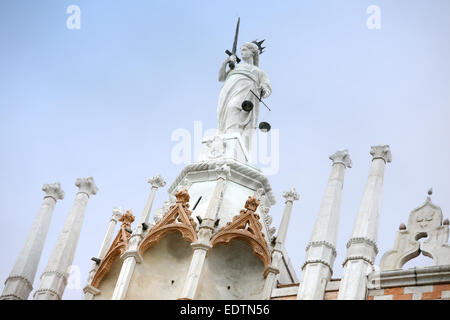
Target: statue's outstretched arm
[(265, 84)]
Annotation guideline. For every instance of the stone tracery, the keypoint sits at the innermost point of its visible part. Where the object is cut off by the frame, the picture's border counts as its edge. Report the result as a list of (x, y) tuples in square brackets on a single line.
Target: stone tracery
[(178, 218), (246, 226)]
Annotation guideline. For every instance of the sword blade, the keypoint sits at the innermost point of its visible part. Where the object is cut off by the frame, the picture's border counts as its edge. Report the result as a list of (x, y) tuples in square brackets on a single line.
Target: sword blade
[(236, 34)]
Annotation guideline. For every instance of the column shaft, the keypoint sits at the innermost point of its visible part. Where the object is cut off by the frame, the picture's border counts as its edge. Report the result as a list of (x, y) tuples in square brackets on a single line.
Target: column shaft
[(148, 206), (156, 182), (19, 283), (132, 256), (117, 213), (193, 276), (362, 248), (202, 245), (54, 279), (321, 252), (124, 279), (107, 239), (277, 256)]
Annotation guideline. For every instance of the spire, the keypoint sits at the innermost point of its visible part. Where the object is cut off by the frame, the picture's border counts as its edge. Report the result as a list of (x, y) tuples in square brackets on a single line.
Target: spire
[(321, 250), (362, 248)]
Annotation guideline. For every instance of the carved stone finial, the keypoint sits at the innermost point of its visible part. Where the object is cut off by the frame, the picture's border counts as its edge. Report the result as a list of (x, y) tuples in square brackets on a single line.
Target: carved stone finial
[(252, 203), (446, 222), (381, 152), (291, 195), (223, 172), (430, 191), (86, 185), (157, 181), (127, 218), (402, 226), (53, 190), (342, 156), (182, 196), (424, 222), (117, 213)]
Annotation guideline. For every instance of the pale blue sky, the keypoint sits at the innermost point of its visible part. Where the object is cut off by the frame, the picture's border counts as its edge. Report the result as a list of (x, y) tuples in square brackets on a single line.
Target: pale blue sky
[(104, 100)]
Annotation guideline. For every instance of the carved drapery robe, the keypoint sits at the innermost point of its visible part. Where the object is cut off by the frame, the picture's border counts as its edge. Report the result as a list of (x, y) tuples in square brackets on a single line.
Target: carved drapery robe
[(239, 81)]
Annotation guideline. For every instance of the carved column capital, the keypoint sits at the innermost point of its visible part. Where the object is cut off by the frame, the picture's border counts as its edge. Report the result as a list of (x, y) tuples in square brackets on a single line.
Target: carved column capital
[(92, 290), (343, 157), (86, 185), (132, 253), (223, 172), (53, 190), (381, 152), (157, 181), (270, 269), (116, 214), (291, 195)]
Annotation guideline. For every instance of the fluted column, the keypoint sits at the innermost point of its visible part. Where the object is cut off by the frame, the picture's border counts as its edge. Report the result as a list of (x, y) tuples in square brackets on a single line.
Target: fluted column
[(321, 250), (156, 182), (19, 283), (277, 255), (54, 279), (362, 248), (202, 245), (132, 255), (89, 290)]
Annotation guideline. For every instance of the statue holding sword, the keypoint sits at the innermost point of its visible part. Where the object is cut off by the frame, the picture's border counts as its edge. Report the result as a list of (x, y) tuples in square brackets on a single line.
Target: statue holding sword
[(242, 82)]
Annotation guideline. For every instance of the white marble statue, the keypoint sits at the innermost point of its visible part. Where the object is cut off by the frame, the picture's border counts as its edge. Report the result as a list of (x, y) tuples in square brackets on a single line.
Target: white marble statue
[(239, 81)]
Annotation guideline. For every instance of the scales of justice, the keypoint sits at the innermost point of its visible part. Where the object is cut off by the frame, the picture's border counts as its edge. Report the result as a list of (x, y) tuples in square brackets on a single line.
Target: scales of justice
[(245, 84)]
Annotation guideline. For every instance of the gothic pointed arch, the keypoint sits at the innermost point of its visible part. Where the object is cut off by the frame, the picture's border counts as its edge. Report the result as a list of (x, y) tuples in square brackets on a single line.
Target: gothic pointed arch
[(246, 227), (178, 219), (117, 248)]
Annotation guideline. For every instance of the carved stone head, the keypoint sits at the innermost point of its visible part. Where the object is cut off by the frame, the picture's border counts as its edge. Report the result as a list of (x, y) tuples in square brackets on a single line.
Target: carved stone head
[(425, 218)]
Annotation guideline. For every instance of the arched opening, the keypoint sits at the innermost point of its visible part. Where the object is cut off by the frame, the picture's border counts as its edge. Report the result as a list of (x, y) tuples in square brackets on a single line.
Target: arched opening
[(422, 260)]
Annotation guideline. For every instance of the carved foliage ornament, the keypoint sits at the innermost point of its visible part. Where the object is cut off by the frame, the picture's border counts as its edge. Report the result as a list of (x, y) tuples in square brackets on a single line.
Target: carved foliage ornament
[(53, 190), (343, 157), (118, 247), (177, 219), (246, 226), (381, 152)]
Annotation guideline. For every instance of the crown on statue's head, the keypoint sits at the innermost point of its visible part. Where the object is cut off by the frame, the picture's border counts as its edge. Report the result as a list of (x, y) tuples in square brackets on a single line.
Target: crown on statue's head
[(259, 43)]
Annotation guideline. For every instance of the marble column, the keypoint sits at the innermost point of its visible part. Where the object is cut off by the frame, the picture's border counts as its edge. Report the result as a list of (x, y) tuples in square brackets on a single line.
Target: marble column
[(19, 283), (89, 290), (206, 229), (321, 250), (277, 254), (116, 214), (156, 182), (130, 258), (54, 279), (362, 248), (132, 255)]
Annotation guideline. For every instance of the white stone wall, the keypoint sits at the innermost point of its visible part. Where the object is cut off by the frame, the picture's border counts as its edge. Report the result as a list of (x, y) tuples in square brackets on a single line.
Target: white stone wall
[(231, 272), (162, 273), (108, 283)]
